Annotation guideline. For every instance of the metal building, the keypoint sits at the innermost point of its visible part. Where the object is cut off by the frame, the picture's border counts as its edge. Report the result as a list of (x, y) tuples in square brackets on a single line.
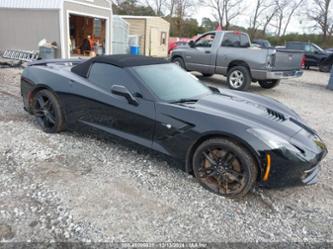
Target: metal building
[(23, 23), (120, 35)]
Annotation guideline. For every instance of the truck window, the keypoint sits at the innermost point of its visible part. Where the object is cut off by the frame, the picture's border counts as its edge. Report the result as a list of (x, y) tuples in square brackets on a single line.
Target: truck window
[(308, 48), (231, 40), (296, 46), (205, 41), (245, 41)]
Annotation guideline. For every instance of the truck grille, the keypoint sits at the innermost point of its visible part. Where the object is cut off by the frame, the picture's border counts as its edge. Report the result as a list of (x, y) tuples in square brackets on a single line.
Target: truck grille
[(276, 115)]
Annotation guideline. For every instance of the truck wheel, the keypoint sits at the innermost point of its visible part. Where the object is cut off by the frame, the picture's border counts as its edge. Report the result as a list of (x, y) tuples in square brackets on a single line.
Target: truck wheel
[(179, 61), (239, 78), (268, 84), (325, 68)]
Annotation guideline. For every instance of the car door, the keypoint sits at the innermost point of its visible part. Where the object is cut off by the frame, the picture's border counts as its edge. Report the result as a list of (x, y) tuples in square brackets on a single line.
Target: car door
[(311, 57), (94, 105), (201, 56)]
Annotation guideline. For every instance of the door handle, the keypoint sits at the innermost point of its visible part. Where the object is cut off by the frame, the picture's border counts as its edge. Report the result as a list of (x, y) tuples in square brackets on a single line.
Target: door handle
[(207, 52)]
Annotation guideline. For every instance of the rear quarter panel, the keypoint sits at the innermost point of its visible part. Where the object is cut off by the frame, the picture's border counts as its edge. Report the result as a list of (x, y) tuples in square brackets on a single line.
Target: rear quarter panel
[(254, 57), (47, 77)]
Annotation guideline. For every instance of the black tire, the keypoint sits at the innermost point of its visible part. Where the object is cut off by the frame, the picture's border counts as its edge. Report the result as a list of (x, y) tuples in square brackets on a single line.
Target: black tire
[(268, 84), (239, 78), (179, 61), (325, 68), (232, 162), (207, 75), (48, 112)]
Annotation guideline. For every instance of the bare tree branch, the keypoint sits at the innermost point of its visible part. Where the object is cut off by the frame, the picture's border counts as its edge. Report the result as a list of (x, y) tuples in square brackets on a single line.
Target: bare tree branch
[(225, 10), (321, 14)]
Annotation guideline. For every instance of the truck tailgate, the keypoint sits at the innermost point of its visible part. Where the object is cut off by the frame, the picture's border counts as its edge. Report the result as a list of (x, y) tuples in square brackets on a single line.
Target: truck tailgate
[(287, 59)]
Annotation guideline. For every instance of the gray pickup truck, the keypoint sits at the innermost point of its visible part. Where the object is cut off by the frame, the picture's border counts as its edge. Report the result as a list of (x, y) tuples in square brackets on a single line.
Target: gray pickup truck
[(230, 53)]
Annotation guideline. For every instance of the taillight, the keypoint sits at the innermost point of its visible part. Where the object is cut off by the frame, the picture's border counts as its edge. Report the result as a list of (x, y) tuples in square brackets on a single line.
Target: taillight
[(303, 61)]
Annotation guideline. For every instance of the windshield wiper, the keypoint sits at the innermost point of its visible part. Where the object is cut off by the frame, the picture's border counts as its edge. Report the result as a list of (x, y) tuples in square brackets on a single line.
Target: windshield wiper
[(182, 101)]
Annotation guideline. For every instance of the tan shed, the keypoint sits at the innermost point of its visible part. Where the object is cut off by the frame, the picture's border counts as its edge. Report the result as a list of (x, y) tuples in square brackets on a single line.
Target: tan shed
[(152, 32)]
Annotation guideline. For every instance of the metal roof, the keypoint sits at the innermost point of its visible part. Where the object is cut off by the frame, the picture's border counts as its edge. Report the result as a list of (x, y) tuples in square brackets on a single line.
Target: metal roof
[(32, 4)]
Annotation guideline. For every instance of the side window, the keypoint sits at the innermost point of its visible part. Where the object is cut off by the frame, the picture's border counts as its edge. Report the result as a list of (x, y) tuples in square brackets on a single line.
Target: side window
[(105, 76), (231, 40), (245, 42), (314, 49), (308, 48), (205, 41)]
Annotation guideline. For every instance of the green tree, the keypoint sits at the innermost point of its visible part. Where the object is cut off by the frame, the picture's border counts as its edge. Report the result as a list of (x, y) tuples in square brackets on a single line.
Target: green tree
[(132, 7), (207, 24), (190, 27)]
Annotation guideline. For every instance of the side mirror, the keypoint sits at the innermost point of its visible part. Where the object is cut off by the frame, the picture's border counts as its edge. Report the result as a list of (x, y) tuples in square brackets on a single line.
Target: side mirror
[(191, 44), (124, 92)]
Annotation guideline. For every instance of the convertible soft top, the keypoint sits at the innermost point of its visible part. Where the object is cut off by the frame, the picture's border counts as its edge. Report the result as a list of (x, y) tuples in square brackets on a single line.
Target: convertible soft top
[(117, 60)]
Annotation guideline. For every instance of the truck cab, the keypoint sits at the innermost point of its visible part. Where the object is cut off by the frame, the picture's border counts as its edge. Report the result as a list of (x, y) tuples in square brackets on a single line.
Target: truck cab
[(230, 53)]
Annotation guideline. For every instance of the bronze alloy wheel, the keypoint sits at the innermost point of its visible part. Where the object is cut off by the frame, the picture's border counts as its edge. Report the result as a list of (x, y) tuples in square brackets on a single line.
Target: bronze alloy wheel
[(224, 168)]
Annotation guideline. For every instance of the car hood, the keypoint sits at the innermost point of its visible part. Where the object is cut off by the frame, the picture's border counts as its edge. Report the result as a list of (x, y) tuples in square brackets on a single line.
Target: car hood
[(257, 111)]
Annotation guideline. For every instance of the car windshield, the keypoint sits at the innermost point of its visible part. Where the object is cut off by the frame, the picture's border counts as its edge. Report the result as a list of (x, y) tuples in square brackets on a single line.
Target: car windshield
[(318, 48), (171, 83)]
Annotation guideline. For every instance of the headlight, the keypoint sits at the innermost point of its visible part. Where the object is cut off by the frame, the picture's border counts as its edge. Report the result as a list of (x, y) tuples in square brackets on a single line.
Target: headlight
[(272, 140)]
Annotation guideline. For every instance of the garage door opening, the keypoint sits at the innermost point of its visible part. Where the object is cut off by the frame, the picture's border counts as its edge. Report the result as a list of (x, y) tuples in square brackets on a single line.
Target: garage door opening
[(87, 36)]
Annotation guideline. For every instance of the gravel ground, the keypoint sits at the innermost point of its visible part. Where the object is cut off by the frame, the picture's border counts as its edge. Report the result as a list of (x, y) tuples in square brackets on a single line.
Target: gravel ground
[(71, 187)]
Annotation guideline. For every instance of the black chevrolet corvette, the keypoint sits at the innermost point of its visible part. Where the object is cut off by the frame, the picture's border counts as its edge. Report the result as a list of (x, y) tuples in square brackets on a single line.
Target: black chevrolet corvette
[(231, 141)]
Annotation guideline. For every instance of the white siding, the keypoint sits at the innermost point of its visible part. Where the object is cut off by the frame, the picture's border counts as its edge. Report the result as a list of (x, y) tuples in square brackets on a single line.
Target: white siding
[(119, 35), (31, 4)]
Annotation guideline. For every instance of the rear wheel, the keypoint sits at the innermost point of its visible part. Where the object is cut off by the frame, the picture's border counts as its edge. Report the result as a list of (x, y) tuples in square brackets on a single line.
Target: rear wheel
[(268, 84), (224, 168), (239, 78), (179, 61), (48, 113)]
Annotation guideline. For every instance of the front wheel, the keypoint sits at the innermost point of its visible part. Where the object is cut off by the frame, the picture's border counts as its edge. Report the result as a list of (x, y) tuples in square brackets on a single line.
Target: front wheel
[(239, 78), (48, 113), (268, 84), (179, 61), (225, 168), (325, 68)]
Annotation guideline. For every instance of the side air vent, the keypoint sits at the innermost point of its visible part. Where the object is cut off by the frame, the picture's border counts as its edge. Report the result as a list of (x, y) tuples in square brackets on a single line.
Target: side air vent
[(275, 115)]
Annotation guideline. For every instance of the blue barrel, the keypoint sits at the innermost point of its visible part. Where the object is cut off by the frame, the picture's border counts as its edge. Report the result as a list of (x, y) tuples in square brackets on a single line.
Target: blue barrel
[(134, 50)]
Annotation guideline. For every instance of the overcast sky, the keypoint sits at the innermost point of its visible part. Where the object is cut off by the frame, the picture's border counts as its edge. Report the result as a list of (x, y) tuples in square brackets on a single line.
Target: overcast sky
[(298, 24)]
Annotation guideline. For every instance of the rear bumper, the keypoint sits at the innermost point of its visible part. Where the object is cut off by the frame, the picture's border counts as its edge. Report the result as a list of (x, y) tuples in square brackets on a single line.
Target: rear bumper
[(284, 74), (275, 75)]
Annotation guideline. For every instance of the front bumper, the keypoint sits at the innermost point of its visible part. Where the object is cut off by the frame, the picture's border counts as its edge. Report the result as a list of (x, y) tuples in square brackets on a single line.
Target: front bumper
[(310, 176), (290, 169)]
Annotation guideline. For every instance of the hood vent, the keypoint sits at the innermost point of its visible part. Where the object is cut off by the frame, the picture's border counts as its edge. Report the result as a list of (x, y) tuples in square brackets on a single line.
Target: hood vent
[(275, 115)]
